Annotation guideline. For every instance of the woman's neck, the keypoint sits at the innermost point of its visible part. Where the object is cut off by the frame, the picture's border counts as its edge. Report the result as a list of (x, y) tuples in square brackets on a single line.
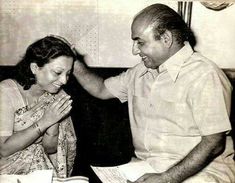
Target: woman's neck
[(35, 91), (32, 94)]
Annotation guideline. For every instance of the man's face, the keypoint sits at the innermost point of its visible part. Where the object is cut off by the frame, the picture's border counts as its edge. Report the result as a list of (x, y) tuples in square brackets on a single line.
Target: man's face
[(153, 52), (54, 74)]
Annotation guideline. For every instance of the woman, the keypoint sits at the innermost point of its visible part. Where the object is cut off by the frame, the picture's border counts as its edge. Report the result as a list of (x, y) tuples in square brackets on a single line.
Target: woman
[(35, 130)]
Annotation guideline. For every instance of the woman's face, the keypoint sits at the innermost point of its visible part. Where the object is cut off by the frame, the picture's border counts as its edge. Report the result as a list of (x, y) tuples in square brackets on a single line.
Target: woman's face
[(54, 74)]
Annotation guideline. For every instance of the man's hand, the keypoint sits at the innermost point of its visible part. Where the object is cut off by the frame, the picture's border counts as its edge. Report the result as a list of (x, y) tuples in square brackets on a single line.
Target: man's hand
[(152, 178)]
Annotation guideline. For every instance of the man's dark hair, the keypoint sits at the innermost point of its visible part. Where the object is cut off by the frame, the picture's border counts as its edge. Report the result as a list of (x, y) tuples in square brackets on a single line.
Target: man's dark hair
[(163, 18)]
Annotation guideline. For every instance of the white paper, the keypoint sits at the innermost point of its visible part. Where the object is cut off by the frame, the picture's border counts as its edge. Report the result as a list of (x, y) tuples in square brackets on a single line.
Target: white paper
[(37, 176), (109, 174), (120, 174), (134, 170)]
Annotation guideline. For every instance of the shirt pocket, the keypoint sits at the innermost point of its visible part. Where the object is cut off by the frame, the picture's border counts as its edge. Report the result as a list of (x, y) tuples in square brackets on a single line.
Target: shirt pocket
[(173, 95), (143, 108)]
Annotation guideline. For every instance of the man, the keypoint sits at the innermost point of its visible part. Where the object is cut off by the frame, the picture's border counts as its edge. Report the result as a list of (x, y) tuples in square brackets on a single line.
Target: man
[(179, 102)]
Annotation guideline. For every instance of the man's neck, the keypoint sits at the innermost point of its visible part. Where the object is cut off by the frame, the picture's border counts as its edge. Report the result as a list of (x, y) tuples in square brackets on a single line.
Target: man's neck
[(175, 48)]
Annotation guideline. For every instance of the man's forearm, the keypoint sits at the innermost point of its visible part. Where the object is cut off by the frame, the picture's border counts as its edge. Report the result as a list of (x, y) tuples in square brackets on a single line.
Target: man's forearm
[(209, 148), (91, 82)]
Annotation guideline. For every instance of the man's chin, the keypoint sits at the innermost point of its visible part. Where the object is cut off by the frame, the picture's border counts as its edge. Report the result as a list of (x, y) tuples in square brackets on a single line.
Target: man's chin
[(149, 65)]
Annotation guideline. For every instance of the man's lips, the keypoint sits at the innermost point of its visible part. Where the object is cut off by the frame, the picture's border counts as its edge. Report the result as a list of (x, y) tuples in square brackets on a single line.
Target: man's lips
[(144, 58)]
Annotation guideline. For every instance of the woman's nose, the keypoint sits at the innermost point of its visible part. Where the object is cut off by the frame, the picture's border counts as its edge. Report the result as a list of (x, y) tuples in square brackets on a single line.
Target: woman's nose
[(63, 79)]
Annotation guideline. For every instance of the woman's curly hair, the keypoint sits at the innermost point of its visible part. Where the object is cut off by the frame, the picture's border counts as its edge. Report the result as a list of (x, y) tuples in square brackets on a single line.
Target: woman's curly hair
[(40, 52)]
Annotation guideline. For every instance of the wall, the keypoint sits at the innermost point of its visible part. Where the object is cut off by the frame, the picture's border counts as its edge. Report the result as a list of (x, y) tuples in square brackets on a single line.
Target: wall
[(215, 32), (101, 28)]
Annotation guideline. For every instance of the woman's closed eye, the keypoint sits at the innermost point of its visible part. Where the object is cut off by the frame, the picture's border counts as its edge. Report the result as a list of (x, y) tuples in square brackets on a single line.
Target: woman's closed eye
[(57, 73)]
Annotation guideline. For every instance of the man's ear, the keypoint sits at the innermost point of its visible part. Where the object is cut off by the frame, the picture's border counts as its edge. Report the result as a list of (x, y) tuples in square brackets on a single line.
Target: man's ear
[(34, 68), (167, 38)]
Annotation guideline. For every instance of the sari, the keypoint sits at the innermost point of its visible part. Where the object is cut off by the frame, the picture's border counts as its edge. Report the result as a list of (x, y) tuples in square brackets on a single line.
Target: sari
[(34, 156)]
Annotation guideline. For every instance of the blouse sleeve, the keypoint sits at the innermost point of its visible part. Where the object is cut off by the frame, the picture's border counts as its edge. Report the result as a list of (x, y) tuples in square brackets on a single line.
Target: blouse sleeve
[(6, 111)]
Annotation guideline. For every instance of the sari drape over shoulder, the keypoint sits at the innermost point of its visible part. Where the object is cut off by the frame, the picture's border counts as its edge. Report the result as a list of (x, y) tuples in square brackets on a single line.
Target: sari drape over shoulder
[(34, 156)]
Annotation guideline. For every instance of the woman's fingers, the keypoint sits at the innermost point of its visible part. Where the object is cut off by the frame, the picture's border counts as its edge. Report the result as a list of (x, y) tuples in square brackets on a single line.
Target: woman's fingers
[(40, 104), (65, 106), (58, 109), (33, 110), (60, 101), (62, 105), (66, 110)]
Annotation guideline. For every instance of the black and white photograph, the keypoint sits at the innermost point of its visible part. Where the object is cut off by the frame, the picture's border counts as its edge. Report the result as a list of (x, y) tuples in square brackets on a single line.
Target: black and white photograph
[(121, 91)]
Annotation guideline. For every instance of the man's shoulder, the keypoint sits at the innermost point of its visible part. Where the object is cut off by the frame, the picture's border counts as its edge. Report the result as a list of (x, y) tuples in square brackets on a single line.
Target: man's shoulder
[(136, 70), (199, 68), (202, 64), (127, 75)]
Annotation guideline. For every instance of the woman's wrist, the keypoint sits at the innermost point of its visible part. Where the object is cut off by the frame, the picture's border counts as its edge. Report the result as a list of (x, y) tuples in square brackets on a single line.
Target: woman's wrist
[(53, 130), (43, 124), (52, 134), (37, 128)]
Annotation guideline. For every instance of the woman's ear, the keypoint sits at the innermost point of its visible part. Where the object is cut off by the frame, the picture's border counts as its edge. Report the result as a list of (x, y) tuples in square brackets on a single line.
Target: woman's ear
[(167, 38), (34, 68)]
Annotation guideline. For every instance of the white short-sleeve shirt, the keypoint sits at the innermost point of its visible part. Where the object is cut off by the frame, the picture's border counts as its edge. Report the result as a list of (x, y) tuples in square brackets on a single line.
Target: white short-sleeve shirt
[(171, 108)]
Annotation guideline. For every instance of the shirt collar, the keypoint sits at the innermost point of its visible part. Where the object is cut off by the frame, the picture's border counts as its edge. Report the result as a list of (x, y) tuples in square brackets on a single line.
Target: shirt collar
[(174, 63), (145, 70)]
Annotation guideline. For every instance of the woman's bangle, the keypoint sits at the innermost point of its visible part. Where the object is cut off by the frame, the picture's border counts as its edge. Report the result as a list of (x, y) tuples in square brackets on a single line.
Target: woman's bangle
[(51, 135), (36, 126)]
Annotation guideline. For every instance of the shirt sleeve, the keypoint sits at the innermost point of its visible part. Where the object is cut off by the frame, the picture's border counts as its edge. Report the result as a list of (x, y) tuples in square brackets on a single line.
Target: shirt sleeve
[(6, 111), (119, 85), (211, 103)]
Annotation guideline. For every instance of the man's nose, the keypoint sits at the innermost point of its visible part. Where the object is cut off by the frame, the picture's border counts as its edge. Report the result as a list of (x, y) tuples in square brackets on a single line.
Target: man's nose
[(135, 49)]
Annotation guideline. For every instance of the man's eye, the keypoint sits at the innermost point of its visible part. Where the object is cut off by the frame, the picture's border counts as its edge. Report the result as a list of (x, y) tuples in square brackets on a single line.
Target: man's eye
[(140, 43)]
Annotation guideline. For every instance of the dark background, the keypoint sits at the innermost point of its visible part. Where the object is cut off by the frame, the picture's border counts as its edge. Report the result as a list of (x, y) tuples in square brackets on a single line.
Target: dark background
[(102, 126)]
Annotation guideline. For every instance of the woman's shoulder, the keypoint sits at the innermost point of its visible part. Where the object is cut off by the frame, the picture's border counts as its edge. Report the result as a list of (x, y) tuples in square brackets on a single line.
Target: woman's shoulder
[(7, 83), (8, 86)]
